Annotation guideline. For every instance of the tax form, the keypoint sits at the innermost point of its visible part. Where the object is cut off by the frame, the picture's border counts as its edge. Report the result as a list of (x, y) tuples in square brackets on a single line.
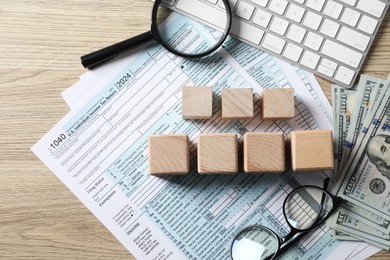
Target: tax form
[(99, 151)]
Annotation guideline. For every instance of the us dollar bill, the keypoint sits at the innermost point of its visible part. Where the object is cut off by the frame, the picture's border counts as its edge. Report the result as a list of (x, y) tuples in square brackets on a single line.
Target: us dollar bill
[(367, 217), (343, 102), (368, 89), (345, 222), (340, 235), (366, 177)]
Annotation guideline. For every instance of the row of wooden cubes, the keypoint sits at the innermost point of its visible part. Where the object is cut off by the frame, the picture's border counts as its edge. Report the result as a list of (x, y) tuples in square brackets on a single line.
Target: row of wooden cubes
[(237, 103), (263, 152)]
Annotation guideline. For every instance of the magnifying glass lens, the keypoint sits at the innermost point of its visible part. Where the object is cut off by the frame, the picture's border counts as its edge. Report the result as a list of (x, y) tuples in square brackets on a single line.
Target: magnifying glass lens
[(186, 36), (254, 243)]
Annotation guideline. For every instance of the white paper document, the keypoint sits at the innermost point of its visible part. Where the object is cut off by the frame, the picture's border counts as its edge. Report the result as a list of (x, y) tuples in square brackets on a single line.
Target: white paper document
[(99, 151)]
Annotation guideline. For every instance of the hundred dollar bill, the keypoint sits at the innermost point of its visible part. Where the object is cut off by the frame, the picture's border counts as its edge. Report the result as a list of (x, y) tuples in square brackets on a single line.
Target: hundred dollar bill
[(368, 89), (366, 179), (343, 102), (340, 235), (366, 216), (343, 221), (358, 238)]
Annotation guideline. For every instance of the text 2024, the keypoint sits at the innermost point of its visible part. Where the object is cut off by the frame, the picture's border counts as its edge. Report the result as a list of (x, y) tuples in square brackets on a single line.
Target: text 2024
[(120, 83)]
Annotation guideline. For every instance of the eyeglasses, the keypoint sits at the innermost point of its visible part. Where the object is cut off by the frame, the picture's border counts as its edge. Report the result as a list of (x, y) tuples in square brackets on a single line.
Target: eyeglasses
[(304, 209), (178, 37)]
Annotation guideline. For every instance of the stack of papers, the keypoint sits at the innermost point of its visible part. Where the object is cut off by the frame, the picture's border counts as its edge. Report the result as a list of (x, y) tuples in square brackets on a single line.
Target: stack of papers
[(99, 151)]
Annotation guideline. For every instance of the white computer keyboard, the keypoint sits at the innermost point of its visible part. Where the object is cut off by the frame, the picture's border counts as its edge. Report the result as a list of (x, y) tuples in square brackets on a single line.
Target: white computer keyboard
[(330, 38)]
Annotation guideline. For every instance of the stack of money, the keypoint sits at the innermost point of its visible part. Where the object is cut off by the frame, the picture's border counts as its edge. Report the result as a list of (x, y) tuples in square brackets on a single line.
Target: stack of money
[(362, 161)]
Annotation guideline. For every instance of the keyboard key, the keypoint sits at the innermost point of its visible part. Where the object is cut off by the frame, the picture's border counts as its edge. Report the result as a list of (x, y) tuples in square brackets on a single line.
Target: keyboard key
[(329, 64), (245, 10), (327, 67), (325, 70), (344, 75), (353, 38), (232, 4), (341, 53), (246, 31), (310, 59), (312, 20), (279, 26), (329, 28), (367, 24), (313, 41), (373, 7), (315, 4), (278, 6), (262, 3), (295, 13), (293, 52), (350, 17), (333, 9), (274, 43), (349, 2), (296, 33), (212, 1), (262, 18), (300, 1)]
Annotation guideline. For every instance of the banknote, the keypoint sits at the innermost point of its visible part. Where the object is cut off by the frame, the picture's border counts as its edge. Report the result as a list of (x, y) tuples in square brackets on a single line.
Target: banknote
[(358, 238), (368, 88), (367, 217), (343, 221), (343, 101), (366, 177), (340, 235)]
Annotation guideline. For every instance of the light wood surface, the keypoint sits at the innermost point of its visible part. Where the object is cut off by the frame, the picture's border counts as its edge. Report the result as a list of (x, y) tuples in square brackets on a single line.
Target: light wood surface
[(40, 46)]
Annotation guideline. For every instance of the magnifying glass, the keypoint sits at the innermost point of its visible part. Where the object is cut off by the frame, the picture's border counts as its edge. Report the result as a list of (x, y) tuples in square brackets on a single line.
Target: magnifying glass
[(180, 39)]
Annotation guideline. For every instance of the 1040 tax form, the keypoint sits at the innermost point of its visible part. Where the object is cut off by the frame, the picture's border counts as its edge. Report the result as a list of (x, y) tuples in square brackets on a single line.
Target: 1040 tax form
[(99, 151)]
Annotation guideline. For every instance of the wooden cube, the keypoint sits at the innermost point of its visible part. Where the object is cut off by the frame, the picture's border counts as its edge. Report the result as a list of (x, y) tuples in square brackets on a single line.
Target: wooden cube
[(311, 150), (168, 154), (217, 153), (278, 104), (197, 102), (237, 103), (264, 152)]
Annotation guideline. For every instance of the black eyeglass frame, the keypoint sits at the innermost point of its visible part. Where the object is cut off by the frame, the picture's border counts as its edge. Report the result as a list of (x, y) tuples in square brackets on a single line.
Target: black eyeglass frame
[(97, 58), (295, 234)]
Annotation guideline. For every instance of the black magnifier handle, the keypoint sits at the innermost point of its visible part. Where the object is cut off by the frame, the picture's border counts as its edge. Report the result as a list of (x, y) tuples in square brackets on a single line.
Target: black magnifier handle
[(97, 58)]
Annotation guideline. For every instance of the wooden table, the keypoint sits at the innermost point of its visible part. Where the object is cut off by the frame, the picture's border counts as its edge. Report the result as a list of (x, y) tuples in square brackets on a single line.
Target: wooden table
[(40, 47)]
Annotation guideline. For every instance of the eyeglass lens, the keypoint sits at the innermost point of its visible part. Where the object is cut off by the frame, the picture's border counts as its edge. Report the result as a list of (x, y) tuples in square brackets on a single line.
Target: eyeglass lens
[(304, 207), (254, 243)]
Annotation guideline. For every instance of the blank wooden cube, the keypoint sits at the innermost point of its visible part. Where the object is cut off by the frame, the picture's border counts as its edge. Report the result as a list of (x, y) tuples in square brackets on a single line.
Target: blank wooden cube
[(311, 150), (197, 102), (237, 103), (264, 152), (168, 154), (278, 104), (217, 153)]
